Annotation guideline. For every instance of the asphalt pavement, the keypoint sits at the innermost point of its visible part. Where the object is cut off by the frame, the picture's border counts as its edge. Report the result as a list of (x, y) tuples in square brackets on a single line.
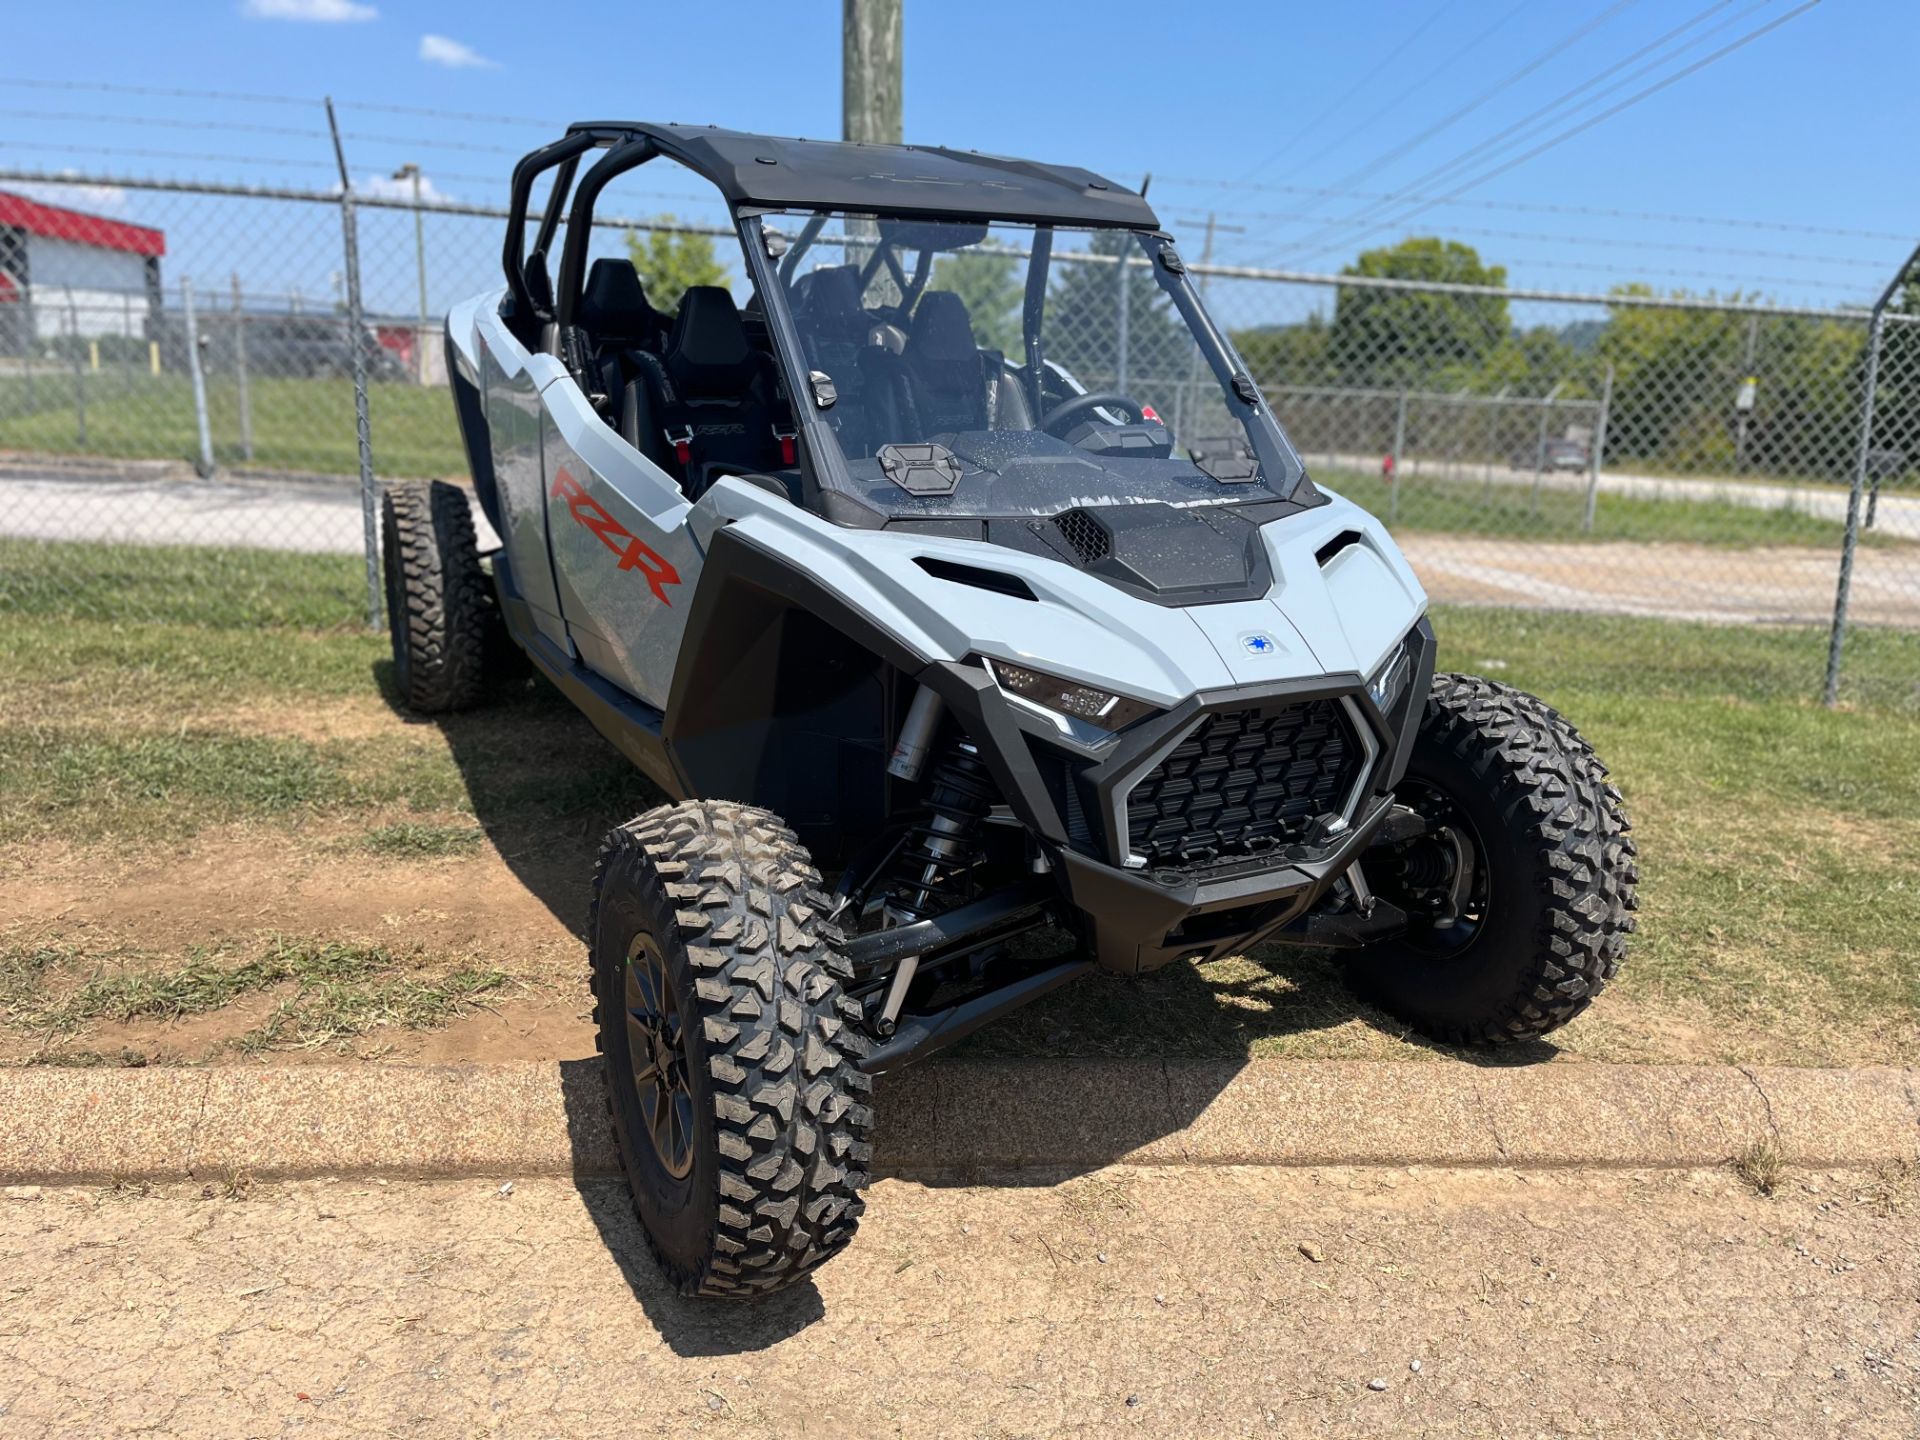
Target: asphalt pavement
[(1151, 1301)]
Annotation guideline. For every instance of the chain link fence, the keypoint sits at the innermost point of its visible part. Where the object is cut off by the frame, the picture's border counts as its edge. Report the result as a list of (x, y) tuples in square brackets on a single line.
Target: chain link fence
[(178, 424)]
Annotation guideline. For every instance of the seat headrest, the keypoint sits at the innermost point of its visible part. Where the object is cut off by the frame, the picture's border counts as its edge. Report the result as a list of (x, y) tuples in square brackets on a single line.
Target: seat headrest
[(942, 328), (940, 348), (829, 298), (708, 351), (614, 303)]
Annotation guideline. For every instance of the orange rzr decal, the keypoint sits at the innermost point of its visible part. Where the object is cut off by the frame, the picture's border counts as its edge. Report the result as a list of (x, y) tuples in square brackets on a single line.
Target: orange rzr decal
[(634, 553)]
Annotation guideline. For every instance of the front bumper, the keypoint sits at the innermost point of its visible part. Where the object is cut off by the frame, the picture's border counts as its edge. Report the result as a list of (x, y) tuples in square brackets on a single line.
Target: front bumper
[(1139, 920), (1140, 911)]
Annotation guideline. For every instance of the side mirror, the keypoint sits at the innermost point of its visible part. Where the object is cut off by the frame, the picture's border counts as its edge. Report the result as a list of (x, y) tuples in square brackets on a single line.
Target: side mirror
[(825, 395)]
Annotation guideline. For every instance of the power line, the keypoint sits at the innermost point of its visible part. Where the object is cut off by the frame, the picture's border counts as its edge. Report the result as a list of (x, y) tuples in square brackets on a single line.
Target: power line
[(105, 87), (1542, 207), (1412, 90), (165, 92), (1422, 136), (81, 117), (1560, 102), (1366, 78), (1603, 116)]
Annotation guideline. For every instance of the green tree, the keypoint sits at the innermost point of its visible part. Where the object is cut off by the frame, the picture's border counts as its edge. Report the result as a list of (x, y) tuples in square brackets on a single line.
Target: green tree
[(1082, 325), (1407, 336), (992, 288), (670, 263), (1288, 354)]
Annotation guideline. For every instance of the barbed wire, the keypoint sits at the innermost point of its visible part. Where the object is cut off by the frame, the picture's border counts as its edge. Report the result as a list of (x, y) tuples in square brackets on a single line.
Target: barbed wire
[(1876, 264)]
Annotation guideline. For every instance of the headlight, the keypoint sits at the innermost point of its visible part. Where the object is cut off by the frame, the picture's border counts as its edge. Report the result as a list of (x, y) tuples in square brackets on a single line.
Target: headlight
[(1101, 709), (1389, 682)]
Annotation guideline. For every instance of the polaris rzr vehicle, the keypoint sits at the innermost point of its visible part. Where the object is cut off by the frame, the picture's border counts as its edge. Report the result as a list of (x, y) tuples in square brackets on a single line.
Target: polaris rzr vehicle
[(965, 564)]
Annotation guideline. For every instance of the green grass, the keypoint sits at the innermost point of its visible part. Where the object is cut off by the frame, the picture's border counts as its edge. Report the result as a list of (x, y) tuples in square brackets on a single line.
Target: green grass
[(298, 425), (1471, 507), (1780, 840), (417, 840), (334, 990), (201, 586)]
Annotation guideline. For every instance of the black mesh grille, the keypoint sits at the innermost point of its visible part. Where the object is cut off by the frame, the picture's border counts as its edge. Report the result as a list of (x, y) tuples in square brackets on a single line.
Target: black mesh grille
[(1086, 535), (1244, 782)]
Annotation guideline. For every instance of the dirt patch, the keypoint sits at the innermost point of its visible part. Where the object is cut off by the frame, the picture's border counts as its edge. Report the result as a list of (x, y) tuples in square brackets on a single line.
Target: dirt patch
[(241, 882)]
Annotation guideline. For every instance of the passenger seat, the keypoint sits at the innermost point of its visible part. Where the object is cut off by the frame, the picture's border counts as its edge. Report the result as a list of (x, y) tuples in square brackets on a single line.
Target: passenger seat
[(619, 320), (710, 403)]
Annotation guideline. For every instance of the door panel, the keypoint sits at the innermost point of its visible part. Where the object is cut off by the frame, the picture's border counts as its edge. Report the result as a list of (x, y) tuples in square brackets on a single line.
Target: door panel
[(625, 562), (510, 380)]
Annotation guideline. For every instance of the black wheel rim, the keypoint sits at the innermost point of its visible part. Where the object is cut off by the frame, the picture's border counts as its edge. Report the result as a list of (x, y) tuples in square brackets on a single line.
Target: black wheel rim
[(1419, 875), (657, 1057)]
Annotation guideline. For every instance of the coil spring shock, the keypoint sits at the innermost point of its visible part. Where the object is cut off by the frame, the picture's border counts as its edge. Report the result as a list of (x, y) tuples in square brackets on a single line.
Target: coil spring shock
[(930, 869)]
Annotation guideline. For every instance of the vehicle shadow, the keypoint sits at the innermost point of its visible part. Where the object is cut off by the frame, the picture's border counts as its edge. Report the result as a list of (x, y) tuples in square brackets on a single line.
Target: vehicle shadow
[(689, 1327), (543, 785)]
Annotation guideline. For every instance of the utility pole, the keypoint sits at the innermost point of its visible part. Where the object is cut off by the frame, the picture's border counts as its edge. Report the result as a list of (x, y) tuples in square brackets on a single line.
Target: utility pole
[(870, 87), (410, 171)]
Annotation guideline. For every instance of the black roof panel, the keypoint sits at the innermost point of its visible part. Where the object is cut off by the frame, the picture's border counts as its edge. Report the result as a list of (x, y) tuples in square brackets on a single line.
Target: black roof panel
[(889, 179)]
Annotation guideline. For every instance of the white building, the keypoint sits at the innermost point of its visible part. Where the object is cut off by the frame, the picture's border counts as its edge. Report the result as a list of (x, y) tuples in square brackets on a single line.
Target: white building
[(65, 272)]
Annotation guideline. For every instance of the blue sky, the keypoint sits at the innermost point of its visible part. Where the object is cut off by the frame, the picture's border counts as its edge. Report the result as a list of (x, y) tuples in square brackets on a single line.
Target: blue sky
[(1226, 104)]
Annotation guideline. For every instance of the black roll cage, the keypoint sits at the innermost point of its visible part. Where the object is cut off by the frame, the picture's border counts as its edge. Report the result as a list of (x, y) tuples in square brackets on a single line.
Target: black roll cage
[(629, 146)]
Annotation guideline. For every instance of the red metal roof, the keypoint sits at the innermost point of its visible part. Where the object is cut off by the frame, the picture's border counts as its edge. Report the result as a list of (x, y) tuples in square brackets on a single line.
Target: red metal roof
[(55, 222)]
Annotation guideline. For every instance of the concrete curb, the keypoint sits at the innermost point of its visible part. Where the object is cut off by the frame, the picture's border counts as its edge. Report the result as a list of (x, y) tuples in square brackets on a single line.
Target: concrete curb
[(959, 1115)]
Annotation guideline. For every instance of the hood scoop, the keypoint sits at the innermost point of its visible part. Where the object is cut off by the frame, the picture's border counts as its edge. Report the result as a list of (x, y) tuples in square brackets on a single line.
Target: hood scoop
[(1172, 555)]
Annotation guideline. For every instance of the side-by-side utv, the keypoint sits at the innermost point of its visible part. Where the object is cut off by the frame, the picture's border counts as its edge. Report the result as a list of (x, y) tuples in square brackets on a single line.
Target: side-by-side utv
[(963, 562)]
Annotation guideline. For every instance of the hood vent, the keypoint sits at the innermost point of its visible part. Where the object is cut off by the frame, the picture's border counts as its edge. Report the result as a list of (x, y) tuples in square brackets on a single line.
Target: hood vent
[(1084, 535)]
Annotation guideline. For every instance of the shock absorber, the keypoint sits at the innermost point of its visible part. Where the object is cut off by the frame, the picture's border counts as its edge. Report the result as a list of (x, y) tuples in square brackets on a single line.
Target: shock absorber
[(930, 868)]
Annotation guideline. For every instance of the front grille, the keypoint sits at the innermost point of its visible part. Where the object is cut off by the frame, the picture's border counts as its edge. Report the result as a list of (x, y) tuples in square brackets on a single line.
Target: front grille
[(1087, 537), (1244, 782)]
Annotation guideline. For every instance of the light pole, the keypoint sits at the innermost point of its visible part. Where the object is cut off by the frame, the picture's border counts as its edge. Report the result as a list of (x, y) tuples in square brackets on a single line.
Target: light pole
[(411, 172)]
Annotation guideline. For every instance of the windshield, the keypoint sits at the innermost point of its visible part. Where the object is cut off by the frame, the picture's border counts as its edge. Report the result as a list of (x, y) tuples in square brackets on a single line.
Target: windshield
[(1045, 372)]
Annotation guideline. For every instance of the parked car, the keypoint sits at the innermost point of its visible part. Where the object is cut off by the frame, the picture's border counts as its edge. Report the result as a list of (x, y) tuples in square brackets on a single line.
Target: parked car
[(308, 346), (1553, 455)]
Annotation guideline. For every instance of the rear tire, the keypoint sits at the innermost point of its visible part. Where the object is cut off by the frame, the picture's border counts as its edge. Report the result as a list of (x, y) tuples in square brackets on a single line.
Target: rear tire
[(1554, 895), (714, 966), (438, 605)]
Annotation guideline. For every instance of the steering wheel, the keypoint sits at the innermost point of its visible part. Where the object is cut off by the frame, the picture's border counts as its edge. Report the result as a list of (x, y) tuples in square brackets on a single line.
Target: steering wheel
[(1072, 408)]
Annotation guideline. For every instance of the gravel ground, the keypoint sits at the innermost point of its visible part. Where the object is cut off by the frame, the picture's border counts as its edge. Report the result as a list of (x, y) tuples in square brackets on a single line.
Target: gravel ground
[(1149, 1301)]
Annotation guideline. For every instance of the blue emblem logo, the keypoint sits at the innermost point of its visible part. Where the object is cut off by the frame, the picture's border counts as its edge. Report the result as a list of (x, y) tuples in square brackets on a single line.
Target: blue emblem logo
[(1258, 644)]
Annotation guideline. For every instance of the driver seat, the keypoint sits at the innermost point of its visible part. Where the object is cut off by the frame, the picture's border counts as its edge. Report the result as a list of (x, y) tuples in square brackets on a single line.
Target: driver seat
[(947, 383)]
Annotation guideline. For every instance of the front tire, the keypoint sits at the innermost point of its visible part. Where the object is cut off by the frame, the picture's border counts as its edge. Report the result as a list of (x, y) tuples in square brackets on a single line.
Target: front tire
[(1520, 940), (438, 607), (731, 1047)]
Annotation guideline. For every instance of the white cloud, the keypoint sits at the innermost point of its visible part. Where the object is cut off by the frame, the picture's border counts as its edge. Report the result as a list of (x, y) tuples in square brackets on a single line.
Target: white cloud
[(97, 198), (439, 50), (386, 187), (320, 12)]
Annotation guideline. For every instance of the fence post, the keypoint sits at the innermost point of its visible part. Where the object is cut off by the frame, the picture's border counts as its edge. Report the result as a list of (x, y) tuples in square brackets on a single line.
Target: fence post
[(1540, 445), (1599, 449), (240, 372), (1843, 591), (205, 465), (79, 372), (350, 245), (1125, 286), (1399, 476)]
